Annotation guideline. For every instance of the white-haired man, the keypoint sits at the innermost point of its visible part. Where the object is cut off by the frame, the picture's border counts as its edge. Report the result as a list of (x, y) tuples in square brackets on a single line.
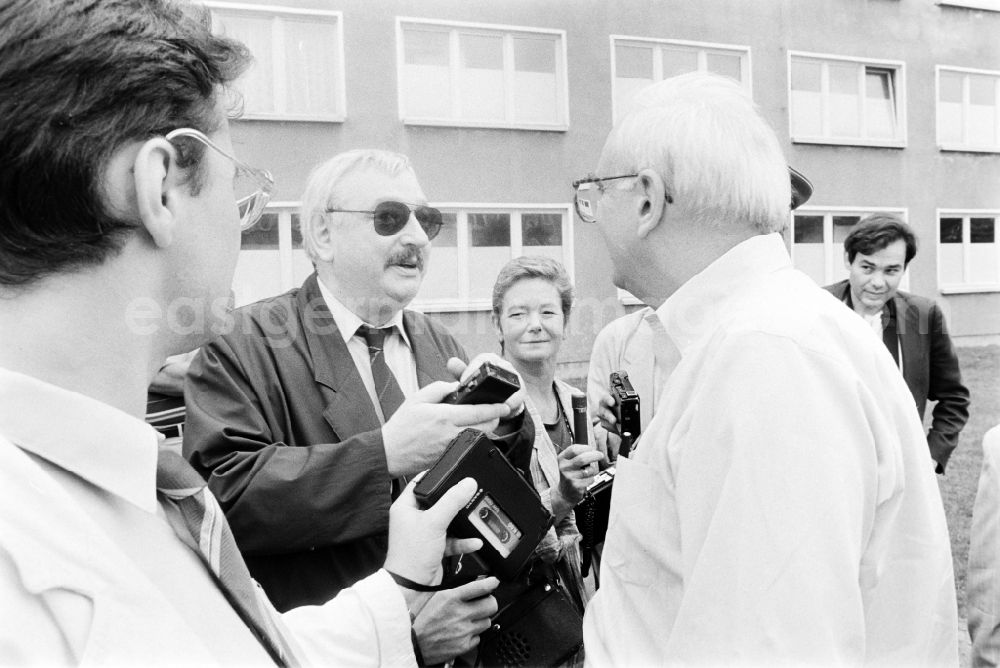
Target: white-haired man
[(780, 508), (304, 414)]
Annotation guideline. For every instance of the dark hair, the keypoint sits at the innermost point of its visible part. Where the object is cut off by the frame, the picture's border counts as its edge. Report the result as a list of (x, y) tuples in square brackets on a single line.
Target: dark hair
[(533, 266), (78, 80), (875, 232)]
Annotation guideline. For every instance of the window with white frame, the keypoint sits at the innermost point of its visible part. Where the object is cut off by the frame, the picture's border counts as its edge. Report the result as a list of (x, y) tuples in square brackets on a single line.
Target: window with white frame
[(638, 62), (968, 109), (837, 100), (466, 74), (298, 68), (818, 235), (476, 240), (968, 252), (271, 258)]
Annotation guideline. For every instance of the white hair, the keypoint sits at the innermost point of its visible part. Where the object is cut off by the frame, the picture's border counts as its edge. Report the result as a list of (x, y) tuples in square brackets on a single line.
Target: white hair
[(323, 186), (718, 157)]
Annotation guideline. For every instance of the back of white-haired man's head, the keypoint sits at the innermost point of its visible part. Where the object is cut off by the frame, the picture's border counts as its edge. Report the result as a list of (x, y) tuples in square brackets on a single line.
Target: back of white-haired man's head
[(322, 187), (720, 161)]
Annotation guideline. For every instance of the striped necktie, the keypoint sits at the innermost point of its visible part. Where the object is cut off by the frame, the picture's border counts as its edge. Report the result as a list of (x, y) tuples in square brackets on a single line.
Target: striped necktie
[(197, 519), (387, 389), (390, 395)]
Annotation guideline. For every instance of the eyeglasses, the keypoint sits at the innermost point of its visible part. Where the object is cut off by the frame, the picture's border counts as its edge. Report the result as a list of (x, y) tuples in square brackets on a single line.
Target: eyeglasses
[(391, 217), (251, 186), (588, 191)]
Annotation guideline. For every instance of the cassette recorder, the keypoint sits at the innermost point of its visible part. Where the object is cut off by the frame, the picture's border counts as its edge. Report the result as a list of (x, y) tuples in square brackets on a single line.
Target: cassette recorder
[(490, 384), (505, 512), (626, 404)]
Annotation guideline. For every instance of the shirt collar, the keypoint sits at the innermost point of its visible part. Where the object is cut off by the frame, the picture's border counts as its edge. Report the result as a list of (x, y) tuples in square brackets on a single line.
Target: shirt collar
[(870, 319), (102, 444), (699, 304), (348, 321)]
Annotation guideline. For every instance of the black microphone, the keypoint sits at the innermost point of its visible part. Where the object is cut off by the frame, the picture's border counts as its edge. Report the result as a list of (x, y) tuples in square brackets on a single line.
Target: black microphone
[(581, 429)]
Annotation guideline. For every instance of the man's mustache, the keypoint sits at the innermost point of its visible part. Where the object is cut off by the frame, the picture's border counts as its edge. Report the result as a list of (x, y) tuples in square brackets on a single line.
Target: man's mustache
[(409, 255)]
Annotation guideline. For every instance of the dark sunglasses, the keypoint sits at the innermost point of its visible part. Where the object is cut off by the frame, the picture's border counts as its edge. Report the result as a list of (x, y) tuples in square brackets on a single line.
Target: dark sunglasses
[(391, 217)]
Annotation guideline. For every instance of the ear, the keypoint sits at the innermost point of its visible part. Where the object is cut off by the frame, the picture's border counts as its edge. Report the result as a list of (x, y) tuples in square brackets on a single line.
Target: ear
[(322, 236), (652, 202), (847, 263), (158, 182), (497, 328)]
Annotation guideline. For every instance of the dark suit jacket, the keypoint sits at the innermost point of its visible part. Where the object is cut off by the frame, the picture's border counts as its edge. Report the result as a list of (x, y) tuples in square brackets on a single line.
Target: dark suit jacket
[(280, 424), (930, 367)]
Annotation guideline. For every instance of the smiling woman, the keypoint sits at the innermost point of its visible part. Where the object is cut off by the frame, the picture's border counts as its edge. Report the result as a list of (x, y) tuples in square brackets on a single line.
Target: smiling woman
[(532, 299)]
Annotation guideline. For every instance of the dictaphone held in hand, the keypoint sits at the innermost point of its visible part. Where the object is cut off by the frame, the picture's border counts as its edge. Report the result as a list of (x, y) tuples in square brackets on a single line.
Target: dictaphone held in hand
[(505, 512)]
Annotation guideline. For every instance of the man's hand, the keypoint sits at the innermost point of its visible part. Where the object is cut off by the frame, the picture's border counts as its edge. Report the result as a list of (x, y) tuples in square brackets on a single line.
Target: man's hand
[(606, 426), (170, 378), (463, 371), (417, 538), (604, 412), (451, 621), (419, 431), (578, 464)]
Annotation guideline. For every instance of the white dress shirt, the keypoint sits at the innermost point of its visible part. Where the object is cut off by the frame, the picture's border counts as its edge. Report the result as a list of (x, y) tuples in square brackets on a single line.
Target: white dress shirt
[(983, 581), (875, 322), (91, 571), (781, 508), (397, 351)]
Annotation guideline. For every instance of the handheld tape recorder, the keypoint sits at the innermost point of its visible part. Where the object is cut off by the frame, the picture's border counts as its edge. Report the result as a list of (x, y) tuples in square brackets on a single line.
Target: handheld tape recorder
[(505, 512)]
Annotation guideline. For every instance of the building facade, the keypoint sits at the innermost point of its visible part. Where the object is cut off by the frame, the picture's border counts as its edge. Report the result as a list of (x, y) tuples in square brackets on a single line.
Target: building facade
[(886, 105)]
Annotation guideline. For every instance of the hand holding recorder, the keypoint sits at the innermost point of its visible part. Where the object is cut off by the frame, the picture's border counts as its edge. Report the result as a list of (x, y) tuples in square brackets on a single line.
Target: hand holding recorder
[(447, 623)]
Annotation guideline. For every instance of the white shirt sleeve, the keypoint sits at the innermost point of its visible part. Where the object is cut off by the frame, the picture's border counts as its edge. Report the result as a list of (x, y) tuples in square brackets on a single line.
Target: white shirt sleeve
[(367, 624), (983, 581)]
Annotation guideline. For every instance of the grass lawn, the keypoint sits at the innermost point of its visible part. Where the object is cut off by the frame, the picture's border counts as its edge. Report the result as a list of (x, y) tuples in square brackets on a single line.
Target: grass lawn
[(981, 373)]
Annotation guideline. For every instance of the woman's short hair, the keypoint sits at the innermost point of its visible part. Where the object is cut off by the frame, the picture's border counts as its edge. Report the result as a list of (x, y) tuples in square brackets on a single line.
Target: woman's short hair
[(323, 189), (533, 266)]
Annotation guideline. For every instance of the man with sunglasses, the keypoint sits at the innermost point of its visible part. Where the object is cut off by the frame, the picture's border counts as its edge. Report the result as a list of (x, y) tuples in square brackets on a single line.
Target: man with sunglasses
[(780, 509), (303, 423), (121, 206)]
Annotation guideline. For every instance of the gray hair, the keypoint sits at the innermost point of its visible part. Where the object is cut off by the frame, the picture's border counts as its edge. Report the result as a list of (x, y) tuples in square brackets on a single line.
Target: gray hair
[(322, 190), (718, 157)]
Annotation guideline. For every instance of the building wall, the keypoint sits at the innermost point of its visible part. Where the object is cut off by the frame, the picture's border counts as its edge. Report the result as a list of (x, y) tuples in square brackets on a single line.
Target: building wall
[(458, 164)]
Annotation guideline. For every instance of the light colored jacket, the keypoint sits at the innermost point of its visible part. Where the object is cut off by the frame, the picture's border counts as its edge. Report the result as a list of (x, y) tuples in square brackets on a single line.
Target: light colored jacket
[(560, 545), (983, 579)]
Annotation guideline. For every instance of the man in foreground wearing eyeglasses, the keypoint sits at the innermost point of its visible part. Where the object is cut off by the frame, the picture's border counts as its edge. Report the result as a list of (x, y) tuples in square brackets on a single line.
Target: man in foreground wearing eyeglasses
[(112, 219), (302, 425), (781, 508)]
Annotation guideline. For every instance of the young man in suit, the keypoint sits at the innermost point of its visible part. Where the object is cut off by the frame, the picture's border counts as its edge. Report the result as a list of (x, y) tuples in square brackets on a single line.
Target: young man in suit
[(301, 424), (877, 252)]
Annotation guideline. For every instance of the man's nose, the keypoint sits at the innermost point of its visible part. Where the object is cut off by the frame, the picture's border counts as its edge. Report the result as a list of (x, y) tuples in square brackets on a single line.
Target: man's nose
[(534, 321), (878, 280), (413, 233)]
